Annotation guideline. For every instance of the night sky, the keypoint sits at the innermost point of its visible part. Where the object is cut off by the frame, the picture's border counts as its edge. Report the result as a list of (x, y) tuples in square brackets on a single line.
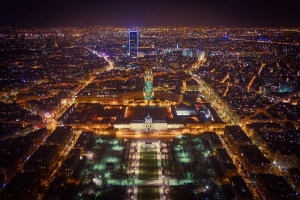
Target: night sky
[(148, 13)]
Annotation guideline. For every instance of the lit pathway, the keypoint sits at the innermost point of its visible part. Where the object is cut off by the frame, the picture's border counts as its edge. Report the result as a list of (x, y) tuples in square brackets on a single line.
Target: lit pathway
[(138, 182), (160, 176), (157, 182)]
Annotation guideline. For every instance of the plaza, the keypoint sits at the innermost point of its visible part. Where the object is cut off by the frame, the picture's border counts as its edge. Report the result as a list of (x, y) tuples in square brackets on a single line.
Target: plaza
[(150, 168)]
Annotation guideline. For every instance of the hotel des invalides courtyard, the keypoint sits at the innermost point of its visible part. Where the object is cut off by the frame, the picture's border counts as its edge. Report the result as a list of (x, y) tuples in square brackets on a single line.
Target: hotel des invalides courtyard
[(149, 105), (147, 118), (153, 119)]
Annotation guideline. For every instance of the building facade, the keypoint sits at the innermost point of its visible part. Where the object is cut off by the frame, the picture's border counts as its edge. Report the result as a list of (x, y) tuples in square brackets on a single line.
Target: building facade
[(133, 43), (148, 85), (148, 125)]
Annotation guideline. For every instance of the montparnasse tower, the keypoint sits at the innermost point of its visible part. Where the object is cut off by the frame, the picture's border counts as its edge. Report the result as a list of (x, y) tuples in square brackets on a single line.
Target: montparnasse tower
[(148, 85)]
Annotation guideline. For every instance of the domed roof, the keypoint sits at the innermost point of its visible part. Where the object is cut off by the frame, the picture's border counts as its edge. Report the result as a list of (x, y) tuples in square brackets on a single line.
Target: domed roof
[(148, 118)]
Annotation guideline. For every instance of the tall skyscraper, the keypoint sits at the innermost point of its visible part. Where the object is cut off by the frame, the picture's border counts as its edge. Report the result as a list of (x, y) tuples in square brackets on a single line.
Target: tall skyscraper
[(148, 85), (133, 43)]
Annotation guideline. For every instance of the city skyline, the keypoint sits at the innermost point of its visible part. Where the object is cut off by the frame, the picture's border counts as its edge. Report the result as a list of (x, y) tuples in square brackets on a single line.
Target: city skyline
[(144, 100)]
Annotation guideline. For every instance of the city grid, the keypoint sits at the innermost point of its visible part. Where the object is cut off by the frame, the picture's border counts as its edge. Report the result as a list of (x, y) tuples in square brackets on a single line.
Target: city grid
[(167, 113)]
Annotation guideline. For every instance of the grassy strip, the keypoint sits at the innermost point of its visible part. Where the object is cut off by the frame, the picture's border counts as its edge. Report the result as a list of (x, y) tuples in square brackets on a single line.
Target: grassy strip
[(148, 165), (148, 193)]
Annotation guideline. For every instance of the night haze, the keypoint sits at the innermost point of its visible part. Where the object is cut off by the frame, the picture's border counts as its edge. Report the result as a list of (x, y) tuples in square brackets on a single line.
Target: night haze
[(149, 100), (26, 13)]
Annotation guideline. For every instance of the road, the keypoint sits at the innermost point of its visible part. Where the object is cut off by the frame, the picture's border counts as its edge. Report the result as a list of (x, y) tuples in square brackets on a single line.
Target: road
[(53, 124), (102, 55), (229, 116)]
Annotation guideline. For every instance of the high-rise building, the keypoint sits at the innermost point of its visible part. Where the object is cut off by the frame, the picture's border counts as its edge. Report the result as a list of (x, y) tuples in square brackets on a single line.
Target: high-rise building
[(148, 85), (133, 43)]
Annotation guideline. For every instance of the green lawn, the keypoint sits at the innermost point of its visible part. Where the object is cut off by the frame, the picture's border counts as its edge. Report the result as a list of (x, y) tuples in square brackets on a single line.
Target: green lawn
[(148, 165), (148, 193)]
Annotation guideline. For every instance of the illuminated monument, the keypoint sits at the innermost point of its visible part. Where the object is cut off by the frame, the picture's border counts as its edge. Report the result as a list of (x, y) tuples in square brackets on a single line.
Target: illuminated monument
[(133, 43), (148, 85)]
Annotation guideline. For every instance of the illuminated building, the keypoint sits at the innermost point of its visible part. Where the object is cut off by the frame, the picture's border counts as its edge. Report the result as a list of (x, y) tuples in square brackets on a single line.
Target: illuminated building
[(270, 186), (148, 125), (148, 85), (133, 43)]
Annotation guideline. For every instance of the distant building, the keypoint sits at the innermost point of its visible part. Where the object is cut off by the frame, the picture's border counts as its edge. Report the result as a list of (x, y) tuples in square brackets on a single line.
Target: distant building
[(235, 136), (286, 159), (271, 187), (190, 53), (213, 140), (83, 140), (43, 160), (168, 95), (69, 165), (148, 125), (223, 156), (226, 163), (148, 88), (61, 136), (25, 186), (133, 43), (253, 160)]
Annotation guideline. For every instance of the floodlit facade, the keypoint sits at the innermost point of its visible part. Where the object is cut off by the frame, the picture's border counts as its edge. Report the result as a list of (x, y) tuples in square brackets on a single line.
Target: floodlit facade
[(133, 43), (148, 125), (148, 85)]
